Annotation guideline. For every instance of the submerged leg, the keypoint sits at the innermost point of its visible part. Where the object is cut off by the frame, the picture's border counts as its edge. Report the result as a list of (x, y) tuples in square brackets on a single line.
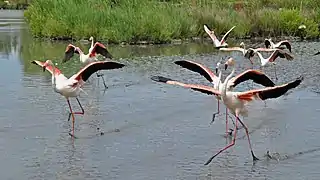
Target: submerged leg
[(73, 113), (231, 144), (247, 132), (214, 114)]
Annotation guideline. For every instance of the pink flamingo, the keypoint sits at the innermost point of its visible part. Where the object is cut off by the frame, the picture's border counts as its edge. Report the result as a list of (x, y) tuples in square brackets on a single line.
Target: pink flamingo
[(236, 101), (71, 87)]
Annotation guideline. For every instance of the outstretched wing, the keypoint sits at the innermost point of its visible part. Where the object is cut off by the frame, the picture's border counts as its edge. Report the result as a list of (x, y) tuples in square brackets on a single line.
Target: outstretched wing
[(224, 38), (70, 50), (270, 92), (100, 49), (199, 68), (211, 34), (267, 43), (95, 66), (232, 49), (254, 75), (285, 43), (48, 67), (201, 88), (282, 54)]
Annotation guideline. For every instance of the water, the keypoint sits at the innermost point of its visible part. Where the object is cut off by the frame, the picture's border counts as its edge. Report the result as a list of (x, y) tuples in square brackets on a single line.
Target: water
[(152, 130)]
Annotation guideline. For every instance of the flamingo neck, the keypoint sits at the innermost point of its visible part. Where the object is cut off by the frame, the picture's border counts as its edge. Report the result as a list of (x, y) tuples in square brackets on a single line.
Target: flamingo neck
[(263, 60), (54, 81), (219, 80), (224, 85), (92, 42)]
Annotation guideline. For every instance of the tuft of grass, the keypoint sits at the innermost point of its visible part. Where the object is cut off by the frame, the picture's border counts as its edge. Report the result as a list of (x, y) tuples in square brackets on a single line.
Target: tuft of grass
[(161, 21)]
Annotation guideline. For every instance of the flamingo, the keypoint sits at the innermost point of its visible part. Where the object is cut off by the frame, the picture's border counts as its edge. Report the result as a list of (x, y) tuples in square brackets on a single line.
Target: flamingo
[(270, 60), (247, 53), (216, 42), (97, 48), (270, 44), (71, 87), (257, 77), (236, 101)]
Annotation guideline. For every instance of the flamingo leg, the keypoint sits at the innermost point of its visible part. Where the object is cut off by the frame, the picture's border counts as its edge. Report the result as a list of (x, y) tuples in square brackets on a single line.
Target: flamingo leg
[(73, 113), (228, 146), (214, 114), (104, 83), (247, 132), (227, 123), (73, 119), (275, 71)]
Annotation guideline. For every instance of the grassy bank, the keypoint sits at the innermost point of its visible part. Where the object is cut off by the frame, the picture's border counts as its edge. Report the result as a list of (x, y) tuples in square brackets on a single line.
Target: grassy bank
[(162, 21), (14, 4)]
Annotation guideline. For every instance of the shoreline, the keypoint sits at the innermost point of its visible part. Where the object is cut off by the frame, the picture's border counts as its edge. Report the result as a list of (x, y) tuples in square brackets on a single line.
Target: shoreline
[(206, 40)]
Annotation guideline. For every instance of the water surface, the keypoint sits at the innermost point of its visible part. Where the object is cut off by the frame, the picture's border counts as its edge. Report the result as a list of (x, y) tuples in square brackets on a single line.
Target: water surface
[(164, 131)]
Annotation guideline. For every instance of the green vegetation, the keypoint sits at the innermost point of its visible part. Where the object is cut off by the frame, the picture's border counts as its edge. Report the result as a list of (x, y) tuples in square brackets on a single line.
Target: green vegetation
[(14, 4), (158, 21)]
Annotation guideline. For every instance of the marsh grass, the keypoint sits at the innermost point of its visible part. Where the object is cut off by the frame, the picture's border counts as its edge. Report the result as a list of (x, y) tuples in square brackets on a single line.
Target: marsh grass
[(162, 21)]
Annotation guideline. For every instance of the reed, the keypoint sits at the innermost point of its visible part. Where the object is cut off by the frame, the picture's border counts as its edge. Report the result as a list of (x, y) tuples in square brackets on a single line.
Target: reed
[(158, 21)]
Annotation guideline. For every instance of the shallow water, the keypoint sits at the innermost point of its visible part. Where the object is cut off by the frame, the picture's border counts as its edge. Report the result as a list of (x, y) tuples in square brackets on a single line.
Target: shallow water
[(152, 130)]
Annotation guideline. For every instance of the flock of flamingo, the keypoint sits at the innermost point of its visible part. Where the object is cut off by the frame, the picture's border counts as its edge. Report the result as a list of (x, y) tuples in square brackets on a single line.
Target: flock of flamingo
[(234, 101)]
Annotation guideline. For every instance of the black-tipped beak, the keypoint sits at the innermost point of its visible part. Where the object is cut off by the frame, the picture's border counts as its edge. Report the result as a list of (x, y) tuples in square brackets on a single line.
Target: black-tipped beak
[(216, 70), (225, 66), (44, 68)]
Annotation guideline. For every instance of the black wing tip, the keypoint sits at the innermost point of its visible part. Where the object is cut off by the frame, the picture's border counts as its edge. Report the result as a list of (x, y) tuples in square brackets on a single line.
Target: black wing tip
[(33, 62), (160, 79), (317, 53), (116, 64), (180, 62)]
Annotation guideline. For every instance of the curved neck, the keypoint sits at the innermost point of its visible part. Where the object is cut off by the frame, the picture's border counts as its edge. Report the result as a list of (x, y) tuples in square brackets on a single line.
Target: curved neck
[(262, 59), (224, 85)]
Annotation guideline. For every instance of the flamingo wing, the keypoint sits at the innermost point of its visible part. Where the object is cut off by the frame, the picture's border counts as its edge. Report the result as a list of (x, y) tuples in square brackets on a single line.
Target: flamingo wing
[(267, 43), (201, 88), (70, 50), (269, 92), (101, 49), (211, 34), (282, 54), (199, 68), (48, 67), (254, 75), (95, 66), (224, 38), (285, 43)]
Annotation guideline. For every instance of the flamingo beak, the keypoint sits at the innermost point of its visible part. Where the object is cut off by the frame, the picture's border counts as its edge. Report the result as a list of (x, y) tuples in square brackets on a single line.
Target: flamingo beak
[(44, 67), (216, 70), (225, 66)]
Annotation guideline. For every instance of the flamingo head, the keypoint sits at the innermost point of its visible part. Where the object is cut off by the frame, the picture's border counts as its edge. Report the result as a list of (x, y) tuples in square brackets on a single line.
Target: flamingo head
[(242, 44), (91, 38), (229, 62), (218, 66), (47, 63)]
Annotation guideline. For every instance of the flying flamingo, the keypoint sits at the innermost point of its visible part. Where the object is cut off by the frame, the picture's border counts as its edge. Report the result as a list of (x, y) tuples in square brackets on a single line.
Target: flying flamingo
[(270, 60), (72, 87), (269, 44), (98, 48), (216, 42), (236, 101), (254, 75), (247, 53)]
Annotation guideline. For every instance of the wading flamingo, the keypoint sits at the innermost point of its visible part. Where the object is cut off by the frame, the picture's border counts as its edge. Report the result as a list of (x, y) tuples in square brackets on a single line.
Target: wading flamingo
[(216, 42), (270, 60), (236, 101), (72, 87), (269, 44), (98, 48), (254, 75)]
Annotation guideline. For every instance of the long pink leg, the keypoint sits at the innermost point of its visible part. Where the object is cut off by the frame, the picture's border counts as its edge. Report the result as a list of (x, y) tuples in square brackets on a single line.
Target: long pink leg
[(247, 132), (214, 114), (231, 144), (73, 119), (81, 113)]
